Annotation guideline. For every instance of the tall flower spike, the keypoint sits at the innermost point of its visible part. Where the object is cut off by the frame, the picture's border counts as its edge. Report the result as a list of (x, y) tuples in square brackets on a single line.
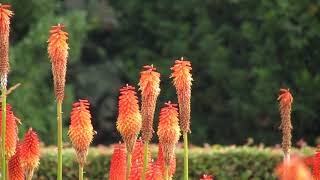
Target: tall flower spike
[(154, 172), (5, 15), (11, 132), (160, 162), (118, 163), (293, 170), (206, 177), (168, 130), (81, 131), (30, 152), (15, 169), (58, 53), (129, 117), (182, 80), (150, 90), (137, 161), (285, 101)]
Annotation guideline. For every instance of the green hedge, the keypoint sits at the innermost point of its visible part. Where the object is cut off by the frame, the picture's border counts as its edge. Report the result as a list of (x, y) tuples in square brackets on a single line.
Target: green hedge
[(224, 162)]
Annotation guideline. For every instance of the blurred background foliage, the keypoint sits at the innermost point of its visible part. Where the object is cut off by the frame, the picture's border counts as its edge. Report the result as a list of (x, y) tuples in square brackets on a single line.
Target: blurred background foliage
[(242, 52)]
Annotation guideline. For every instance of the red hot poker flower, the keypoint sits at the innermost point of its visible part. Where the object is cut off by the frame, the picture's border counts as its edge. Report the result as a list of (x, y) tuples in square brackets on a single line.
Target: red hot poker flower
[(154, 172), (11, 132), (293, 170), (206, 177), (150, 89), (81, 131), (5, 15), (160, 162), (58, 53), (15, 169), (137, 161), (168, 130), (118, 163), (129, 117), (285, 101), (182, 80), (30, 152)]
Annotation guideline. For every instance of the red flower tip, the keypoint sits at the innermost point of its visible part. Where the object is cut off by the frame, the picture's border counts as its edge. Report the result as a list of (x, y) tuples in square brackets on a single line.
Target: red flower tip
[(206, 177), (150, 67), (30, 151), (118, 163), (294, 169), (285, 97)]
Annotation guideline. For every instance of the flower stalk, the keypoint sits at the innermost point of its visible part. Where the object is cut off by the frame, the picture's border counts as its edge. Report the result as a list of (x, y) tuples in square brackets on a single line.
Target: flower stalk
[(58, 53), (182, 80), (150, 89)]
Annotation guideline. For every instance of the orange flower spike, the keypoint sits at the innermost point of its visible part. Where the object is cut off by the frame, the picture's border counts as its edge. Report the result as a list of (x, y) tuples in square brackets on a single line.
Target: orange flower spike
[(160, 162), (316, 165), (30, 152), (285, 101), (168, 130), (118, 163), (206, 177), (137, 161), (150, 90), (129, 117), (11, 132), (81, 131), (293, 170), (15, 169), (5, 15), (58, 53), (182, 80), (154, 172)]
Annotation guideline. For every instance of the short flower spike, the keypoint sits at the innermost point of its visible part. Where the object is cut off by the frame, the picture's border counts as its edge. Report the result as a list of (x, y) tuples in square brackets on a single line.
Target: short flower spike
[(285, 102), (5, 15), (154, 172), (160, 162), (11, 132), (206, 177), (129, 117), (182, 80), (58, 53), (118, 163), (81, 131), (293, 170), (30, 152), (137, 161), (150, 90), (15, 169), (168, 130)]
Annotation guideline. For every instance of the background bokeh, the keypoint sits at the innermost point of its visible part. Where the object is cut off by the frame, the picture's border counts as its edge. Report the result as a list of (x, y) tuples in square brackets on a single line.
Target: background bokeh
[(242, 52)]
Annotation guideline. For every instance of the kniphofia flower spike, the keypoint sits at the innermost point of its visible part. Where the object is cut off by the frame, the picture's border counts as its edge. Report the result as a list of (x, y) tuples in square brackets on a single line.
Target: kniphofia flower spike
[(285, 102), (15, 169), (293, 170), (118, 163)]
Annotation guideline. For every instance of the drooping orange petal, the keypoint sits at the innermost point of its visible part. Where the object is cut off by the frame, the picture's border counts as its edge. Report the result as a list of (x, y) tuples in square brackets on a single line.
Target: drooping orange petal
[(5, 15), (58, 53), (129, 117), (150, 90), (81, 131), (118, 163), (11, 132), (182, 80), (30, 152), (294, 169), (168, 130), (15, 169)]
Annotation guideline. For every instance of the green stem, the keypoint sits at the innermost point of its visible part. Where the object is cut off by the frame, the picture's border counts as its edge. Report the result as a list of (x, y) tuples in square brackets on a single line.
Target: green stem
[(7, 170), (185, 156), (145, 159), (59, 143), (129, 157), (166, 171), (3, 132), (80, 172)]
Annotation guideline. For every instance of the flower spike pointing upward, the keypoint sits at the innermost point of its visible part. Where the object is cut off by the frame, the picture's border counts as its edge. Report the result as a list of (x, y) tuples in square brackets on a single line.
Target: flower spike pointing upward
[(118, 163), (15, 169), (285, 101), (58, 53)]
